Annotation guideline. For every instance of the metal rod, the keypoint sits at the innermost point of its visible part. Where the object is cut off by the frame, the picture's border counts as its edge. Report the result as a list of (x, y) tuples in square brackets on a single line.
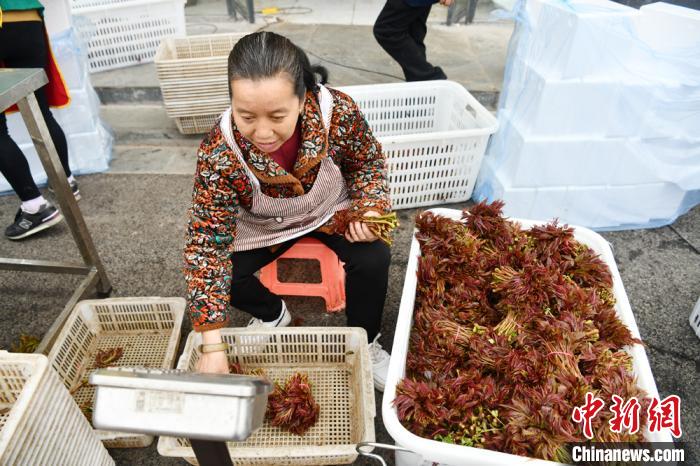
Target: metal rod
[(471, 12), (210, 453), (251, 11), (233, 7), (33, 119), (46, 342), (25, 265), (457, 11), (451, 12), (362, 446)]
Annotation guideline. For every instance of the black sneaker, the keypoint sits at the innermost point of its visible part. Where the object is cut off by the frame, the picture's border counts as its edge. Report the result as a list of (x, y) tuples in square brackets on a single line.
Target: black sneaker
[(28, 224), (73, 187)]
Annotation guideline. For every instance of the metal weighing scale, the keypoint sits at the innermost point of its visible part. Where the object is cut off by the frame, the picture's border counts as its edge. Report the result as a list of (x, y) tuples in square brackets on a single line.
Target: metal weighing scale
[(208, 409)]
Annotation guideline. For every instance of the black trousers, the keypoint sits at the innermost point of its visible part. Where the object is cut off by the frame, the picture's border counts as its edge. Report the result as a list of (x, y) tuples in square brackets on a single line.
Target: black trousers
[(23, 45), (366, 280), (400, 29)]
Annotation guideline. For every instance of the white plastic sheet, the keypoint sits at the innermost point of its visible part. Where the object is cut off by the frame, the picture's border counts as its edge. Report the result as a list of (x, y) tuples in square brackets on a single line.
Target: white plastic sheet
[(89, 138), (599, 114)]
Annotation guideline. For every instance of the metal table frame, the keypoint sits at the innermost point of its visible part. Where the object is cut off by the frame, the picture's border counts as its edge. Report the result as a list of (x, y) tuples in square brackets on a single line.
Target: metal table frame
[(17, 86)]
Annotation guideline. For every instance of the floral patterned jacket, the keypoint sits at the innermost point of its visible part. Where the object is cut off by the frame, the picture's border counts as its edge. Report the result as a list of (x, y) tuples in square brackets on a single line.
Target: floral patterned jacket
[(222, 188)]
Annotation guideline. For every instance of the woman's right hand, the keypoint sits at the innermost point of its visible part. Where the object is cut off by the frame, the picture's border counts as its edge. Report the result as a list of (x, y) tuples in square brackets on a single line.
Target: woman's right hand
[(213, 363)]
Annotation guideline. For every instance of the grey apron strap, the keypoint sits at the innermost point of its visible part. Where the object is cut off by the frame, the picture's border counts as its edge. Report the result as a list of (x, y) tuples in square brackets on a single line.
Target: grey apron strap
[(227, 131), (325, 100)]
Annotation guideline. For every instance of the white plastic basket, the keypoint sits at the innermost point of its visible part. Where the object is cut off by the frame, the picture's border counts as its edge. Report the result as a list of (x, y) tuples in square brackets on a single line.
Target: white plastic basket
[(695, 318), (148, 331), (445, 454), (434, 135), (192, 72), (336, 359), (121, 33), (40, 424)]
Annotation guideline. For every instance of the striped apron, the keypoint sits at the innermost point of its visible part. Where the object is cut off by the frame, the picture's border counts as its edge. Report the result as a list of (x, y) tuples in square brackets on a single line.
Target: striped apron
[(273, 220)]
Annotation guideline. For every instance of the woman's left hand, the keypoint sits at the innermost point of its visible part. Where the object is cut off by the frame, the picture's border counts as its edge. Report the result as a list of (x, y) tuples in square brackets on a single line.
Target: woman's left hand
[(359, 232)]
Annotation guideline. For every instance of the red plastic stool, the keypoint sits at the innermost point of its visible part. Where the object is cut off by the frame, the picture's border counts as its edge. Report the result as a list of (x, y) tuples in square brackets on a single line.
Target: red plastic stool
[(332, 286)]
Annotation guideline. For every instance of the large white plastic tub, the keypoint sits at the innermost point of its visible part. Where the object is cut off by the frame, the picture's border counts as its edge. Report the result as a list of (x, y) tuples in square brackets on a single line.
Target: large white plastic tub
[(456, 455)]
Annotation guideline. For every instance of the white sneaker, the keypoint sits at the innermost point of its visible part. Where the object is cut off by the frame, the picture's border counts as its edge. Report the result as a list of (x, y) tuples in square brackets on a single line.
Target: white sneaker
[(380, 363), (281, 321)]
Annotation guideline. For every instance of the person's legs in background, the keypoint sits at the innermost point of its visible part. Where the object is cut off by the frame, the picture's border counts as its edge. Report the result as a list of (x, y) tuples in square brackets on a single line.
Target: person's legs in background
[(400, 30), (366, 283), (36, 212), (14, 166), (25, 47), (417, 31), (58, 137)]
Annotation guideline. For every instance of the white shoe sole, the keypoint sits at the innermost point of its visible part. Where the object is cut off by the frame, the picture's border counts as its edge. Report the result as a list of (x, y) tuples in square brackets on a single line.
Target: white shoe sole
[(282, 321), (48, 224)]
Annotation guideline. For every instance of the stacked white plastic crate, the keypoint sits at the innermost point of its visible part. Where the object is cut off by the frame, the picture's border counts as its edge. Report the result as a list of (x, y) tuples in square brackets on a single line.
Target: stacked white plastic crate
[(599, 115), (89, 140), (122, 33)]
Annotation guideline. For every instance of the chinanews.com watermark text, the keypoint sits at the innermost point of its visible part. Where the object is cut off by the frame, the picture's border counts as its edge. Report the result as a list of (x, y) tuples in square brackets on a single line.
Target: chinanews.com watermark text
[(663, 418), (657, 453)]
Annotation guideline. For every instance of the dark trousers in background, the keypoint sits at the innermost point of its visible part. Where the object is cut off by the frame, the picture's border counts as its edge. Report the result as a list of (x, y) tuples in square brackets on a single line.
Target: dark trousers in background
[(366, 280), (400, 29), (23, 45)]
